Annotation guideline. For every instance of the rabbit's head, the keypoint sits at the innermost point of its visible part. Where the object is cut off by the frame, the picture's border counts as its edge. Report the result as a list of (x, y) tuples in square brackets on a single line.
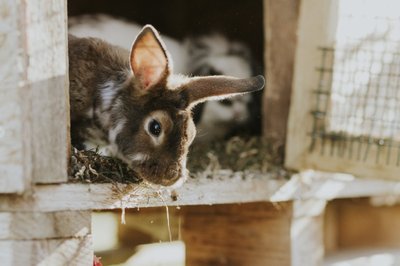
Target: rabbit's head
[(152, 120)]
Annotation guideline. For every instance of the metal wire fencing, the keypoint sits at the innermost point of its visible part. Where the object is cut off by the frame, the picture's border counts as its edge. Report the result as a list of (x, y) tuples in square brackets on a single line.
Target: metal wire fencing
[(357, 101)]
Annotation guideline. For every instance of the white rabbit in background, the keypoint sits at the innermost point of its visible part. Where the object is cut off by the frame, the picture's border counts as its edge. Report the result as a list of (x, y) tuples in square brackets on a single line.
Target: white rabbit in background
[(214, 54), (211, 54)]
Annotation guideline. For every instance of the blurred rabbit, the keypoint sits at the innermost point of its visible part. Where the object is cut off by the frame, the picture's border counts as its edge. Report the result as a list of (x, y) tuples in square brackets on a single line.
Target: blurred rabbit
[(214, 54)]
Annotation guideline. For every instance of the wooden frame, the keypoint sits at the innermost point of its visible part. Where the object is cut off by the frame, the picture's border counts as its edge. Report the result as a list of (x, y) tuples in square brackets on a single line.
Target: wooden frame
[(280, 35), (317, 28)]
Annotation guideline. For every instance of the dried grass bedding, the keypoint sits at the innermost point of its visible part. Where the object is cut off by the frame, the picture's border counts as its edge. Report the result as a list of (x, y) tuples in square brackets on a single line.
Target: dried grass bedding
[(239, 156)]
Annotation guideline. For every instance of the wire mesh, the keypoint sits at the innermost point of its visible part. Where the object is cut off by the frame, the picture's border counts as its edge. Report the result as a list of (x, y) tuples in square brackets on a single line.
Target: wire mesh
[(356, 109), (357, 103)]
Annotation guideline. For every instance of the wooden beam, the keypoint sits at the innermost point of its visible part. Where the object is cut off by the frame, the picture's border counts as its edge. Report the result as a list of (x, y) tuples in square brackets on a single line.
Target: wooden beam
[(307, 239), (303, 186), (280, 31)]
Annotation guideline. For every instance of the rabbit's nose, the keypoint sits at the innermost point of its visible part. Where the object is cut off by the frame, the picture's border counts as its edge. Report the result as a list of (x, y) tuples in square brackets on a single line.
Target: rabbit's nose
[(151, 167)]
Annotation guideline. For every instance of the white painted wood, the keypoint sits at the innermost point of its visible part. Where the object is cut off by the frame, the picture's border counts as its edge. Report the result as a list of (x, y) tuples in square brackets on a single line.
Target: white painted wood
[(304, 186), (34, 93), (51, 252), (38, 225)]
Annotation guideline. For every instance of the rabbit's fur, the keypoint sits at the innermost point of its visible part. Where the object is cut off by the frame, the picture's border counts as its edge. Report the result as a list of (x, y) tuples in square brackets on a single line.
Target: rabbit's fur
[(133, 104), (211, 54)]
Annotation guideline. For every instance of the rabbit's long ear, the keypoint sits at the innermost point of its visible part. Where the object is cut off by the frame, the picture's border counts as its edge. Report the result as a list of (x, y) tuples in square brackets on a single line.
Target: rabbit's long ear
[(149, 58), (201, 89)]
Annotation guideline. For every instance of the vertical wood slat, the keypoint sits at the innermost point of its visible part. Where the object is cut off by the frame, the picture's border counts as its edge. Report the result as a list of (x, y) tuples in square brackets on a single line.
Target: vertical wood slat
[(280, 26), (48, 79), (317, 27), (34, 112)]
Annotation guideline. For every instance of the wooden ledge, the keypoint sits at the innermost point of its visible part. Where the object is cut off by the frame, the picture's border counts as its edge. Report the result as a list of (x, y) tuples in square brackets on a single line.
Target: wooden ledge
[(201, 191)]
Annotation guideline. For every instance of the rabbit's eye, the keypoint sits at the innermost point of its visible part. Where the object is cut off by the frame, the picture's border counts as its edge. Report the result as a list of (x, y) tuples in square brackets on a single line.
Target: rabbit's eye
[(155, 127), (226, 102)]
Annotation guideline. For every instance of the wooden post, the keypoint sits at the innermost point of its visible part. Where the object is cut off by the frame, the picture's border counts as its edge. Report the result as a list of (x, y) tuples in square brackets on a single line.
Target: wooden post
[(307, 241), (34, 93), (280, 31), (59, 238)]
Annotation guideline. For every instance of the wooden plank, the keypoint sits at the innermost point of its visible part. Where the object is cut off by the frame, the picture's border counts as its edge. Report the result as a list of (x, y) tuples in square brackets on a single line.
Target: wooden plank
[(63, 251), (46, 31), (307, 234), (34, 103), (303, 186), (280, 34), (15, 129), (246, 234), (317, 28), (37, 225), (111, 196), (307, 243)]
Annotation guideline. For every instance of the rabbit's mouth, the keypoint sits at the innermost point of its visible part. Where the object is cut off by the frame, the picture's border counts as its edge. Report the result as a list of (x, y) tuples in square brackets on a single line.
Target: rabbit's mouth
[(161, 174)]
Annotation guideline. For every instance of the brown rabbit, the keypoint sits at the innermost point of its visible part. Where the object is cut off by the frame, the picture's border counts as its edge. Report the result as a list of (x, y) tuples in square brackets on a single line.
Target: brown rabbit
[(135, 106)]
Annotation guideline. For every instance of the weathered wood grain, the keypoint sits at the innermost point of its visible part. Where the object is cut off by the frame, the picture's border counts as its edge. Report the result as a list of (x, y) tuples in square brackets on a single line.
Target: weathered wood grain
[(34, 93), (111, 196), (15, 123), (304, 186), (38, 225), (52, 252)]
